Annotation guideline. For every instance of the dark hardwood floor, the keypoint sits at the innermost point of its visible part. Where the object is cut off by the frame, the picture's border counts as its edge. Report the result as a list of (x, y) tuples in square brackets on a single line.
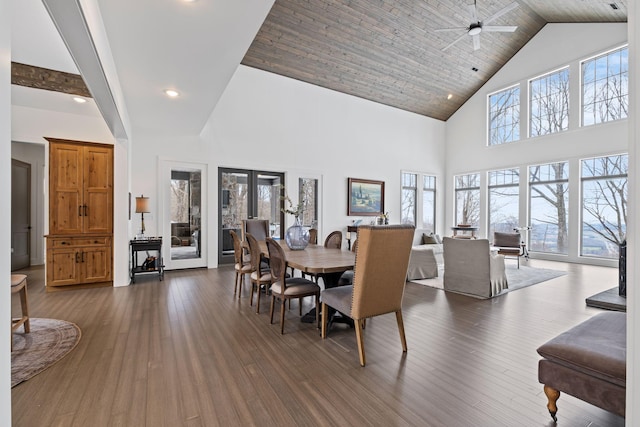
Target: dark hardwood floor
[(185, 352)]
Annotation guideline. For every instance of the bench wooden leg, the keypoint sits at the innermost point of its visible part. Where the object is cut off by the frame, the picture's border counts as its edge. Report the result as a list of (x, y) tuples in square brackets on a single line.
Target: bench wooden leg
[(552, 397)]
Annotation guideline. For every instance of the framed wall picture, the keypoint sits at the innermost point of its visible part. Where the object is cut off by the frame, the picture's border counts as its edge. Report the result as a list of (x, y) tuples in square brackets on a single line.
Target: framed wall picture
[(366, 197)]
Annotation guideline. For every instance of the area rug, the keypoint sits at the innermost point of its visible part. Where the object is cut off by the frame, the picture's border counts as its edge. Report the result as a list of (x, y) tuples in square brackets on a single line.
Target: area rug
[(48, 342), (609, 300), (517, 278)]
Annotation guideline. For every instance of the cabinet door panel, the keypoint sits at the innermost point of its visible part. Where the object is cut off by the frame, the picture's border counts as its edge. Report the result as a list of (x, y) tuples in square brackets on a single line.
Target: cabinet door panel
[(65, 189), (62, 268), (98, 184), (97, 264)]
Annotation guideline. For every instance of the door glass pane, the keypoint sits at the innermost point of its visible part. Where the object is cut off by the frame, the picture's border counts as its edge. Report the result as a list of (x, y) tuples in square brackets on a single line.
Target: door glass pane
[(234, 188), (268, 201), (185, 199)]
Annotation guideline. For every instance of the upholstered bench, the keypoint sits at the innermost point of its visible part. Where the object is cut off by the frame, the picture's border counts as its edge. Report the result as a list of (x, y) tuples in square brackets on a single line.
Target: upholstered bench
[(587, 362)]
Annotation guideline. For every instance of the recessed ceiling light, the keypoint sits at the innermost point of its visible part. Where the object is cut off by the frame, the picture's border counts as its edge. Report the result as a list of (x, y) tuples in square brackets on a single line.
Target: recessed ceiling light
[(79, 100), (450, 96), (171, 93)]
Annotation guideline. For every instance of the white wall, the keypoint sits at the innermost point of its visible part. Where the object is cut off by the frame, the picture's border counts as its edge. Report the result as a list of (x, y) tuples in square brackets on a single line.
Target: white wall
[(269, 122), (5, 214), (555, 46), (34, 155)]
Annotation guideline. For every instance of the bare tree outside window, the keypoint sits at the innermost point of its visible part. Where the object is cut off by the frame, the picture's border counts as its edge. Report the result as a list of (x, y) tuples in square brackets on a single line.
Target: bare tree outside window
[(467, 191), (308, 188), (408, 202), (429, 202), (504, 195), (549, 197), (604, 205), (504, 116), (605, 87), (549, 103)]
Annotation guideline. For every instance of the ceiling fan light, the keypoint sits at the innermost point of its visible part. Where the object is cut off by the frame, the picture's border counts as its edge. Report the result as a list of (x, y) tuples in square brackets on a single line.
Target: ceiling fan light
[(474, 31)]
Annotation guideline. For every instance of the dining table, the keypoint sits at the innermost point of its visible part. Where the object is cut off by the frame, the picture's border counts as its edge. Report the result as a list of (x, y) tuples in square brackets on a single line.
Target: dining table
[(329, 263)]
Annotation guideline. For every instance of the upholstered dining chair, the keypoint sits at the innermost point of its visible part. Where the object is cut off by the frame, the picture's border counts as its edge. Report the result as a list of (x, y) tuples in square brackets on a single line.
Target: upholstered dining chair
[(259, 276), (382, 258), (259, 228), (241, 266), (347, 277), (19, 286), (284, 288)]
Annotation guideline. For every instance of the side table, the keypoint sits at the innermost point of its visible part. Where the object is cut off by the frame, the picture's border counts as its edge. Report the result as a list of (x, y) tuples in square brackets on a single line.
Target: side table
[(150, 244)]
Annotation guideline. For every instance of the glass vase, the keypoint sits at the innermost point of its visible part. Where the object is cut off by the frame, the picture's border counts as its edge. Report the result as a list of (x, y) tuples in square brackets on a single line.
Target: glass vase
[(296, 236)]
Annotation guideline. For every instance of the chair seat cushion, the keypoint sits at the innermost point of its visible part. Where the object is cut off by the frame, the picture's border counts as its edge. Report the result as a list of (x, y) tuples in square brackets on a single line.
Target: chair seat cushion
[(296, 286), (244, 268), (596, 347), (17, 279), (262, 276), (339, 298)]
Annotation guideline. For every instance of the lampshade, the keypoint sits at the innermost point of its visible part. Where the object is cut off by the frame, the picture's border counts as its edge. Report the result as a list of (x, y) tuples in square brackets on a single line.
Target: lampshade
[(142, 204)]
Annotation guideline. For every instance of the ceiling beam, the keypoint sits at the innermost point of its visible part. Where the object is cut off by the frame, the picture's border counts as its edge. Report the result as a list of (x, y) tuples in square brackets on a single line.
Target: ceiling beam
[(43, 78)]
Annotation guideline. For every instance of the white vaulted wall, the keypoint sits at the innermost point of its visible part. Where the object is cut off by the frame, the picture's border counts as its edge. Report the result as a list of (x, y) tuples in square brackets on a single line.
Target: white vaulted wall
[(554, 47)]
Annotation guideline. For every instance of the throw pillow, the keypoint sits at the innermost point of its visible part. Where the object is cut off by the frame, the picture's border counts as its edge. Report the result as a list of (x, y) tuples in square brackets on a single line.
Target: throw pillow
[(429, 239)]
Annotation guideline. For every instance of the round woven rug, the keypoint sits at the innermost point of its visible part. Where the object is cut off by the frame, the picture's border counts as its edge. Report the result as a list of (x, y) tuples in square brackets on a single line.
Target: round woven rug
[(49, 341)]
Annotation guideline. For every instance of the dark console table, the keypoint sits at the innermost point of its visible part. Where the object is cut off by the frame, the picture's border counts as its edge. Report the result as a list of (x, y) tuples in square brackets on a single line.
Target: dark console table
[(146, 245)]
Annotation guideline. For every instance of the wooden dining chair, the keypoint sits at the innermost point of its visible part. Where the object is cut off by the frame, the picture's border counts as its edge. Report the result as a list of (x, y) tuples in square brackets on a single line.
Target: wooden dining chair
[(259, 228), (382, 258), (334, 240), (259, 276), (313, 236), (241, 266), (19, 286), (287, 288)]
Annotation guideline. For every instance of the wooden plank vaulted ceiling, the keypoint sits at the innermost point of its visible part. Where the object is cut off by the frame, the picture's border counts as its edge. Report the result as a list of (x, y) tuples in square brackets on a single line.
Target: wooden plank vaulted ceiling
[(387, 50)]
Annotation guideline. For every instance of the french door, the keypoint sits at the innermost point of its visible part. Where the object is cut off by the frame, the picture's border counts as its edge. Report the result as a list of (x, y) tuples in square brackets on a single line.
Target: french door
[(247, 194), (184, 214)]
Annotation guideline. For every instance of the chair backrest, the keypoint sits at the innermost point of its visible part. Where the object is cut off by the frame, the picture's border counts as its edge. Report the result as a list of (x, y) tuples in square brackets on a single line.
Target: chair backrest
[(277, 262), (258, 227), (506, 240), (467, 266), (334, 240), (382, 258), (313, 236), (237, 247), (254, 252), (354, 246)]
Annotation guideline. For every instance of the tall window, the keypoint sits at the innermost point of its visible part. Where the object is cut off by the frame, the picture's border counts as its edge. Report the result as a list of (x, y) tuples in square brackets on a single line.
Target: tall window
[(605, 87), (549, 103), (467, 188), (308, 194), (408, 202), (604, 205), (504, 198), (429, 202), (548, 192), (504, 116)]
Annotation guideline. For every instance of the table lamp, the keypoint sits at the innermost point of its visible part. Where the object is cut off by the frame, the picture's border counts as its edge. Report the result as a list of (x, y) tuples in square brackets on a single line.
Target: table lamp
[(142, 207)]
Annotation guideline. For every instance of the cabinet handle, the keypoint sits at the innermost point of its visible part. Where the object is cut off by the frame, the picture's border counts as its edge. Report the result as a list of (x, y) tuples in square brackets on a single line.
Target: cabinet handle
[(82, 256), (85, 210), (79, 210), (77, 257)]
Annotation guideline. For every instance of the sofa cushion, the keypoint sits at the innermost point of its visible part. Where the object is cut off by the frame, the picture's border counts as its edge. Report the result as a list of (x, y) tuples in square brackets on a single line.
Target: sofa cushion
[(429, 239)]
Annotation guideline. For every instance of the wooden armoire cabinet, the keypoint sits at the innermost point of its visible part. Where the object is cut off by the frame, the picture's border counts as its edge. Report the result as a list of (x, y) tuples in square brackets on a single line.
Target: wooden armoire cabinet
[(79, 244)]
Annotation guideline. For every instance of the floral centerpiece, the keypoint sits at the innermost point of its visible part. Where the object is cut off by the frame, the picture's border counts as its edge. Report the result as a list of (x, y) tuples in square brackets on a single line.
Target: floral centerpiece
[(296, 236)]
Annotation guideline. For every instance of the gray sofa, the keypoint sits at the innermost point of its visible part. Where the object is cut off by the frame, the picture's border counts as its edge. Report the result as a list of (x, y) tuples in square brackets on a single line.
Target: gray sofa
[(424, 260)]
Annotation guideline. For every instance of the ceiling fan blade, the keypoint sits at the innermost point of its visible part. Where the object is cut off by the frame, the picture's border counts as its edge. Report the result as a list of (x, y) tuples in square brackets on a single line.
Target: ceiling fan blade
[(439, 30), (499, 28), (473, 12), (476, 42), (501, 12), (454, 42)]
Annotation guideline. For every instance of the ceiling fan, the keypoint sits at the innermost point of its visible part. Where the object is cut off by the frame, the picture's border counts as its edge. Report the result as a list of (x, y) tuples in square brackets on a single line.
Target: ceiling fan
[(476, 27)]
